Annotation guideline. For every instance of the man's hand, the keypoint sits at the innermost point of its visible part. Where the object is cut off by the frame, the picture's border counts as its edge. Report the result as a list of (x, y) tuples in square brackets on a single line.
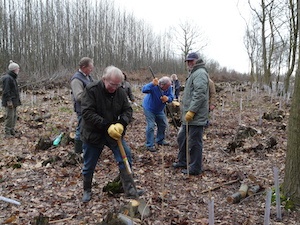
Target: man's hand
[(113, 131), (164, 98), (189, 116), (10, 104), (155, 81), (119, 127)]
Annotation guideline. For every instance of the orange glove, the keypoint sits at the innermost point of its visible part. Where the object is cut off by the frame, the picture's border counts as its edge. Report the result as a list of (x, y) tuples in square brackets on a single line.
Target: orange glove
[(164, 98), (189, 116), (155, 81)]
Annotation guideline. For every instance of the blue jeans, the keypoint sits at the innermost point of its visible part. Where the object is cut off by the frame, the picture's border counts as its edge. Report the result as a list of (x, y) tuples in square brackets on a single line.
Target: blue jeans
[(91, 154), (77, 132), (195, 145), (160, 120)]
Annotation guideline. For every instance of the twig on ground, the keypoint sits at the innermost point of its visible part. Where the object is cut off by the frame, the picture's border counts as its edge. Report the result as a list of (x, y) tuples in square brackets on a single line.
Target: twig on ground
[(219, 186)]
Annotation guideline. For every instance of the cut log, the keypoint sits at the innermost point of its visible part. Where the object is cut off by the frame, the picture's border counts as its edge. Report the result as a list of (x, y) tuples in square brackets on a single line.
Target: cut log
[(253, 190), (235, 198), (243, 190)]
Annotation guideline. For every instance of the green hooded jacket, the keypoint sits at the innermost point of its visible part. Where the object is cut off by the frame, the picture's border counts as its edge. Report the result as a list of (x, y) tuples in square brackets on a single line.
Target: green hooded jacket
[(196, 95)]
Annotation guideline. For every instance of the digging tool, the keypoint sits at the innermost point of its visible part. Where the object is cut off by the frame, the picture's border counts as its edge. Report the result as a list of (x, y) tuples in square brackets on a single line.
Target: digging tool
[(167, 107), (125, 160), (143, 206)]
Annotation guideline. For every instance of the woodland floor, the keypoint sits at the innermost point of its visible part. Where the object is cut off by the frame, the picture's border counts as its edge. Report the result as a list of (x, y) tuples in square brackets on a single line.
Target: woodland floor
[(54, 189)]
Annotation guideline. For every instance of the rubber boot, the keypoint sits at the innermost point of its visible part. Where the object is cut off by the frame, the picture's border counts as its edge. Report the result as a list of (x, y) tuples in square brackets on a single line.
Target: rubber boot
[(128, 185), (87, 188), (78, 146)]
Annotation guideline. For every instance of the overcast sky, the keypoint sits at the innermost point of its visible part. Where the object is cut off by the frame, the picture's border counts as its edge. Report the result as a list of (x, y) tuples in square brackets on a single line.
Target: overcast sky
[(220, 20)]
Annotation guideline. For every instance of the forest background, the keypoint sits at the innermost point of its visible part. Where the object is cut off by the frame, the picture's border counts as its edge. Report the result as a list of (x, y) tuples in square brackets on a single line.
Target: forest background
[(47, 38)]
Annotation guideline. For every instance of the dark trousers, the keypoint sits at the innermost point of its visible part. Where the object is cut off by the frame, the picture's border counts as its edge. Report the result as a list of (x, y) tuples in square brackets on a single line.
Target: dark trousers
[(195, 145), (10, 120)]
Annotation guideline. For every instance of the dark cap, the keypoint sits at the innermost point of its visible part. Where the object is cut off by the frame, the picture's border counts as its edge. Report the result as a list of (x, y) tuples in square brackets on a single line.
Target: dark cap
[(192, 56)]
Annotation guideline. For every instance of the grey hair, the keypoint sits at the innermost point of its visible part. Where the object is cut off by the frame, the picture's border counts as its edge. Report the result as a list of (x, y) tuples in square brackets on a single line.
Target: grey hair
[(164, 80), (112, 71), (174, 76), (85, 62)]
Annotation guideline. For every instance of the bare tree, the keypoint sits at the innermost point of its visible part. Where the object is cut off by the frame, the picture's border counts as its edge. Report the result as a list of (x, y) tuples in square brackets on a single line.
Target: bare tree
[(292, 165), (293, 23), (188, 37)]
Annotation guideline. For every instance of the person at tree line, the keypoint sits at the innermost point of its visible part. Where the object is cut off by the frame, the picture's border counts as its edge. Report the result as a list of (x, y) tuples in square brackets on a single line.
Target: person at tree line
[(175, 86), (127, 87), (195, 108), (10, 98), (79, 80), (158, 93), (106, 112)]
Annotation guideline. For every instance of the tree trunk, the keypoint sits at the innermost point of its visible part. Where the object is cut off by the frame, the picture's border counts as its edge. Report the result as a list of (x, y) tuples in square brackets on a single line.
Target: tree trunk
[(292, 165)]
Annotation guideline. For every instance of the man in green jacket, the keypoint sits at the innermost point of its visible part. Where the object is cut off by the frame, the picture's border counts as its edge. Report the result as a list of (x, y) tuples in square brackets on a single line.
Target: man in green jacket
[(194, 115)]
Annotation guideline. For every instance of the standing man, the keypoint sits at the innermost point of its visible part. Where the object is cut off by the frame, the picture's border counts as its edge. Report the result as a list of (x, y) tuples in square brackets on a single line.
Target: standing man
[(159, 92), (175, 86), (78, 82), (194, 115), (127, 87), (106, 112), (11, 98)]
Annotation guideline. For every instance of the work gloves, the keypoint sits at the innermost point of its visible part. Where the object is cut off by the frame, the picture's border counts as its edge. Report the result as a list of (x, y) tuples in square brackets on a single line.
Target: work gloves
[(115, 131), (189, 116), (10, 104), (175, 104), (164, 98), (155, 81)]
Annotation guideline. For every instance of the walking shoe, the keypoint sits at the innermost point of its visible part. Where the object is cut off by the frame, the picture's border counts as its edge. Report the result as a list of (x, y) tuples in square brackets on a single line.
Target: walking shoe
[(151, 149), (191, 172), (164, 143), (178, 165)]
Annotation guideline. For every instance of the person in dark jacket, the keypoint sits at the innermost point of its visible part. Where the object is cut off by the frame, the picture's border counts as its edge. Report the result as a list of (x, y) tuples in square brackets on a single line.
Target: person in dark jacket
[(10, 98), (175, 86), (106, 112), (127, 87), (79, 80), (195, 107), (158, 93)]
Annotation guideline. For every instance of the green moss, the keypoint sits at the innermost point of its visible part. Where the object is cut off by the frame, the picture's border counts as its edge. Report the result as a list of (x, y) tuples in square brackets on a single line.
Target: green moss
[(66, 109), (286, 202)]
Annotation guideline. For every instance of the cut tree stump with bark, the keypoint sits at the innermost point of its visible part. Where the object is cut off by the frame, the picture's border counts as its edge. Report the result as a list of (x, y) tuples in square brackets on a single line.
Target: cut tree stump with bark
[(236, 197)]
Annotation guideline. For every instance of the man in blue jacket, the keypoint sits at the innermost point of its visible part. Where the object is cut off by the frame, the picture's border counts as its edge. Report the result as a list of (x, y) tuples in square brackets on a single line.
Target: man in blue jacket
[(194, 115), (159, 92)]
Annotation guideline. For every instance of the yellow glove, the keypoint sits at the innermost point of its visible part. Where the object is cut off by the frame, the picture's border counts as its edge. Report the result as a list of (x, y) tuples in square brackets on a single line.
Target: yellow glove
[(119, 127), (189, 116), (10, 104), (155, 81), (175, 104), (164, 98), (113, 132)]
